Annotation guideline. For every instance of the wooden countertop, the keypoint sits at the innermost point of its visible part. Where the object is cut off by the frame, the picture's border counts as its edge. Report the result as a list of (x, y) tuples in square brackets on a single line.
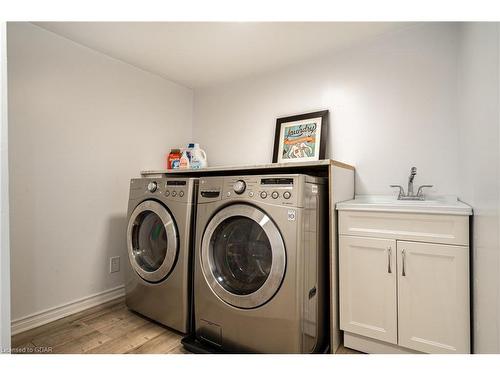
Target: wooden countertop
[(312, 166)]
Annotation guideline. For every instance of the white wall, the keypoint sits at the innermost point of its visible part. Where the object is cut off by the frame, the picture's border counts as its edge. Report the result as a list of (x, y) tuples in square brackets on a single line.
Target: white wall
[(480, 172), (392, 101), (81, 124), (4, 200)]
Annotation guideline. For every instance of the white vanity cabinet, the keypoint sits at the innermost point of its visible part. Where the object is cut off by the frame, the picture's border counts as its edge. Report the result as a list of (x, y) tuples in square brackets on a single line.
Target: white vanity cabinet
[(404, 277), (368, 287), (433, 297)]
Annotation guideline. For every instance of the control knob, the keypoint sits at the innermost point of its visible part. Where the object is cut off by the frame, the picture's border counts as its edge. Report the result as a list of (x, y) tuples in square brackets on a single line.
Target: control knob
[(287, 195), (152, 186), (239, 186)]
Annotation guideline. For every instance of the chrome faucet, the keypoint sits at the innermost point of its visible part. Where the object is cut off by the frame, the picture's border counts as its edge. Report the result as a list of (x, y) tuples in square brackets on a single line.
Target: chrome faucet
[(411, 196), (413, 172)]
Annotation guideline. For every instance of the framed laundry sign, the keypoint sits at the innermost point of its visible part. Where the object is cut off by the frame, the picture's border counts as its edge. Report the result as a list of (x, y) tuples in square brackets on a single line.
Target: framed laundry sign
[(301, 137)]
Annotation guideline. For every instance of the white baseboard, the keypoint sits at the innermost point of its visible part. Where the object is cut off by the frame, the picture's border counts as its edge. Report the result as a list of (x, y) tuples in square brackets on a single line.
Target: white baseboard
[(61, 311)]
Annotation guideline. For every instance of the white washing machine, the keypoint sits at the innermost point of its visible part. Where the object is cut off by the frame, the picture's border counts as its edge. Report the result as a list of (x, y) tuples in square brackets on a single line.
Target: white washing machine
[(261, 264), (161, 214)]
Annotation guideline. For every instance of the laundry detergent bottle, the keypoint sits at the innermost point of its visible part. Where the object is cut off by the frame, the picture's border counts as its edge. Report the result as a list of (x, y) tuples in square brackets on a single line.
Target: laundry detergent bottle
[(184, 162), (198, 156)]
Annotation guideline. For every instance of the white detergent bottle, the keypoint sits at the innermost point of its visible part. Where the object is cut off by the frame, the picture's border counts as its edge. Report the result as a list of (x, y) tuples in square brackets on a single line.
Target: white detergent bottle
[(184, 162), (198, 156)]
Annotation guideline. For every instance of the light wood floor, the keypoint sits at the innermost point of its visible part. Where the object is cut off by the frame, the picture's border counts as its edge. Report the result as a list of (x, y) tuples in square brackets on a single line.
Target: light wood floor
[(108, 328)]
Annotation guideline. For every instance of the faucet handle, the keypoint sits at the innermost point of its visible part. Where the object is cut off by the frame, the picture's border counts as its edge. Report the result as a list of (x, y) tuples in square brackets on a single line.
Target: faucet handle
[(401, 190), (419, 191)]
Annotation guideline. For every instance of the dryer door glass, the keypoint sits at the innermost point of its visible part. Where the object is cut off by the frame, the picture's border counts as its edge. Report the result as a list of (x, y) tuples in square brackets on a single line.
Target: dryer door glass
[(243, 256), (152, 241), (149, 239)]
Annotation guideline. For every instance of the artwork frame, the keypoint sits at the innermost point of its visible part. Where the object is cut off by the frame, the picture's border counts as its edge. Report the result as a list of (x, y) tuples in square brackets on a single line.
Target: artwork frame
[(292, 130)]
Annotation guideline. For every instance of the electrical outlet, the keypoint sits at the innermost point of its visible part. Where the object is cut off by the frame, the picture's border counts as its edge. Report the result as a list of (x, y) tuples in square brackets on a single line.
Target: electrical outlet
[(114, 264)]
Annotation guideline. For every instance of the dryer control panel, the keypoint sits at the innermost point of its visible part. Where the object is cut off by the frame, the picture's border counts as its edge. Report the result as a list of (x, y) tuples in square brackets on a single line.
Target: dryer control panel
[(173, 189)]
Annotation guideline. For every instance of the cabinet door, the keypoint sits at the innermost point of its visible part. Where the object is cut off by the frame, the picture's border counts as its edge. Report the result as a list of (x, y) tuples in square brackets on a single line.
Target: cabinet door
[(368, 287), (433, 297)]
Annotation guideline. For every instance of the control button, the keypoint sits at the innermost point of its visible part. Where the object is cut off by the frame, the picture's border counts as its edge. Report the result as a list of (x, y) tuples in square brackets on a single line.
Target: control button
[(152, 186), (239, 187), (228, 193), (263, 194), (174, 193), (275, 195), (287, 195), (250, 194), (181, 193), (167, 193)]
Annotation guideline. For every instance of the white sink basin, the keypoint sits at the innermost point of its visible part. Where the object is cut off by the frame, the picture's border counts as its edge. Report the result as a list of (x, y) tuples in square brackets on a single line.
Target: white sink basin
[(449, 205)]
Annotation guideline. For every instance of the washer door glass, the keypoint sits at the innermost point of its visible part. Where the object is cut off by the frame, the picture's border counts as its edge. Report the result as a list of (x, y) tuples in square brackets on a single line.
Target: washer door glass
[(243, 256), (152, 241)]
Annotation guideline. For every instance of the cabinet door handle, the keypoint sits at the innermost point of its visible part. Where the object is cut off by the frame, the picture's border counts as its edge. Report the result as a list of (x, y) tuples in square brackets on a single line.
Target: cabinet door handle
[(403, 254), (389, 252)]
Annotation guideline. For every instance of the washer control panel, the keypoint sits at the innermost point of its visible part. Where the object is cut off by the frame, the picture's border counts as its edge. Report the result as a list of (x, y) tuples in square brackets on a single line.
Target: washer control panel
[(289, 190), (272, 189)]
